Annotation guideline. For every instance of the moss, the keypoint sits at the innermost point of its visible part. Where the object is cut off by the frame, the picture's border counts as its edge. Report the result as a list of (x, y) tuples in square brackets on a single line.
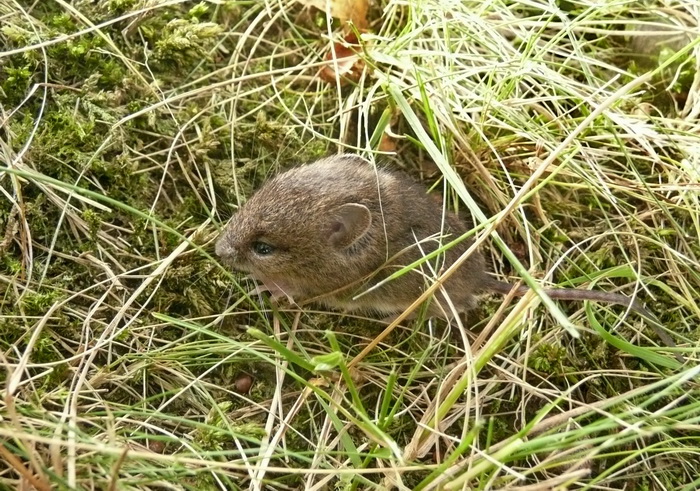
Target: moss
[(120, 6), (11, 265), (37, 303), (45, 351), (550, 358), (75, 142), (16, 80)]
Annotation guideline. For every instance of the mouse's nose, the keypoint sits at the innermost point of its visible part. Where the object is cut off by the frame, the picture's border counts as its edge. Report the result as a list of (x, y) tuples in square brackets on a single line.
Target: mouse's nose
[(224, 248)]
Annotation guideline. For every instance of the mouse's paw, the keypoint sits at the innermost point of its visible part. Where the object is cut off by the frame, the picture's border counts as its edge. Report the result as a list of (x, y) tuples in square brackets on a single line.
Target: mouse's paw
[(258, 290), (277, 294)]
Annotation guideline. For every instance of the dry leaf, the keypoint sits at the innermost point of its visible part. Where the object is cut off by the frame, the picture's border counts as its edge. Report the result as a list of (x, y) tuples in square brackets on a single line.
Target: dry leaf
[(348, 64), (354, 11), (388, 141)]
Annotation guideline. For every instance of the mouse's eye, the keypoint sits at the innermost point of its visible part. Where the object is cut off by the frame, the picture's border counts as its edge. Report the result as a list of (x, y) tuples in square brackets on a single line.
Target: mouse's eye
[(262, 248)]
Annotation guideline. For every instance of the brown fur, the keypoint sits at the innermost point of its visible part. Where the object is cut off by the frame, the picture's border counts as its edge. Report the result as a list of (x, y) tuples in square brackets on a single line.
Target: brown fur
[(293, 212)]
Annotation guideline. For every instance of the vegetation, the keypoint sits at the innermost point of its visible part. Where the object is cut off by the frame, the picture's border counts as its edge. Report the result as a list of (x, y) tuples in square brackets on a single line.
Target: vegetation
[(130, 130)]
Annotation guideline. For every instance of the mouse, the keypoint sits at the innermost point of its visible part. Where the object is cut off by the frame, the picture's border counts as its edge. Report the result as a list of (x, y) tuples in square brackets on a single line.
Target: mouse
[(333, 230)]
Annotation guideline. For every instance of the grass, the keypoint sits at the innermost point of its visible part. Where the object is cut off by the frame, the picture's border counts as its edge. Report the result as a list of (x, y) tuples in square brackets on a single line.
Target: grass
[(130, 131)]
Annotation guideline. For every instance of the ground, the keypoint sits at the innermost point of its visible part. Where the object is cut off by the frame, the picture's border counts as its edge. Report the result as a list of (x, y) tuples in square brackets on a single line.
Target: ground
[(131, 130)]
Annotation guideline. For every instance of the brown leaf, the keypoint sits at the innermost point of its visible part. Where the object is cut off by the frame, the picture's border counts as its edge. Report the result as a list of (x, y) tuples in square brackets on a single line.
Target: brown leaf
[(388, 141), (348, 64), (354, 11)]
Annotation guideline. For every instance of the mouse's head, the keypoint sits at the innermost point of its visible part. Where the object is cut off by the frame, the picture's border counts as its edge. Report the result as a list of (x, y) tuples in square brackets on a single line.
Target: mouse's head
[(303, 232)]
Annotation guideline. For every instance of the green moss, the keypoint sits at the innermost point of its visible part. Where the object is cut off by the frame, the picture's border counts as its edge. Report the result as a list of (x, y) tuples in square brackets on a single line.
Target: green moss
[(45, 351), (94, 221), (198, 10), (11, 264), (16, 79), (120, 6), (550, 358), (37, 303)]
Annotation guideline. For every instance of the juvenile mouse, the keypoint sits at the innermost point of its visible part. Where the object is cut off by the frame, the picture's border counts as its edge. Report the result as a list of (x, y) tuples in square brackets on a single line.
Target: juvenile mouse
[(331, 229)]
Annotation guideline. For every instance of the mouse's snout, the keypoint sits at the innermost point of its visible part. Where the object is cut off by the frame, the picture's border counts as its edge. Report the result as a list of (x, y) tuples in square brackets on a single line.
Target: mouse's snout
[(225, 249)]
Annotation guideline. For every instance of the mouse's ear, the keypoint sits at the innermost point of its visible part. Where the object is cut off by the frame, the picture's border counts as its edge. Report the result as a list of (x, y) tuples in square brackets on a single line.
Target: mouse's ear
[(348, 223)]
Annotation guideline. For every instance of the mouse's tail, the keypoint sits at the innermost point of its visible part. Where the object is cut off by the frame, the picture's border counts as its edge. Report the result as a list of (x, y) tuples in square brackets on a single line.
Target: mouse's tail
[(495, 286)]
